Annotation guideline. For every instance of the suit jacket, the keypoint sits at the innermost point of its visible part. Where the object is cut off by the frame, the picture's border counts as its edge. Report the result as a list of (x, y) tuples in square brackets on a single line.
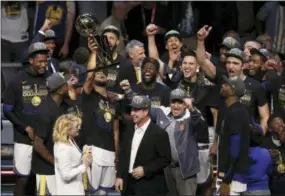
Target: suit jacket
[(153, 155), (68, 169)]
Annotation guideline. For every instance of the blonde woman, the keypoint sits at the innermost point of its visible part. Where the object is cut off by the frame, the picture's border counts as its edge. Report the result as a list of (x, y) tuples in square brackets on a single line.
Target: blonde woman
[(69, 165)]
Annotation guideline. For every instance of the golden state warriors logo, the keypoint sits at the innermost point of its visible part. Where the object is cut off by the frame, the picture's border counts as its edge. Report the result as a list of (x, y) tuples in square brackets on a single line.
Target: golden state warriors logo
[(12, 9), (108, 112), (108, 116), (181, 126), (36, 101), (54, 14)]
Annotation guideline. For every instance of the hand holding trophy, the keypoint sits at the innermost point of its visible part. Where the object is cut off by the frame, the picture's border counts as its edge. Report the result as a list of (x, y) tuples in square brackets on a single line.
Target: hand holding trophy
[(88, 26)]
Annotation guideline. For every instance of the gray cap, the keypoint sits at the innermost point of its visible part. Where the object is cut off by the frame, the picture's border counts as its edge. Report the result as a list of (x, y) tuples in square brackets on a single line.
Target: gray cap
[(230, 43), (262, 52), (112, 29), (172, 33), (178, 94), (55, 81), (235, 52), (37, 47), (237, 84), (50, 34), (140, 102)]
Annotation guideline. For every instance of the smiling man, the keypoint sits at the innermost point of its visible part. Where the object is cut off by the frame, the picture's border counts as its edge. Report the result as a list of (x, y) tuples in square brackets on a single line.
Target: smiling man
[(248, 46), (24, 94), (255, 96), (158, 93), (47, 36), (180, 120), (115, 73), (199, 89), (257, 62), (99, 108), (136, 53), (144, 153)]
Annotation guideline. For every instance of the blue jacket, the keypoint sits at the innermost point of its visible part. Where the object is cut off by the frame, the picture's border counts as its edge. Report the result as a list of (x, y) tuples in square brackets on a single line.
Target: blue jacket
[(260, 166), (185, 137)]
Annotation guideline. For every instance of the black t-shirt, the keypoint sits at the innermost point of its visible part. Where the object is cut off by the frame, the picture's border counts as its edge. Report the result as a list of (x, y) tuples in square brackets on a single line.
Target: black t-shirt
[(159, 95), (128, 72), (279, 97), (254, 97), (25, 93), (49, 111), (199, 91), (236, 121), (115, 73), (176, 67), (277, 154), (99, 113)]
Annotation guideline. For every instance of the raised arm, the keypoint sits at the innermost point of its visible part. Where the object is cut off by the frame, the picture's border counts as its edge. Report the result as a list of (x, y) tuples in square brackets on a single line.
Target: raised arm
[(151, 30), (69, 27), (206, 65), (91, 65)]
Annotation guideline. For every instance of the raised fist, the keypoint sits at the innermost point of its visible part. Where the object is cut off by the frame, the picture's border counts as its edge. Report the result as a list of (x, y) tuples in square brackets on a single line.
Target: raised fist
[(151, 29)]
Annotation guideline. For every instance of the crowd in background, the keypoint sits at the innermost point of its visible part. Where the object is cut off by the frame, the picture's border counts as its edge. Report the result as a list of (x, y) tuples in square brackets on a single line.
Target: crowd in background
[(209, 74)]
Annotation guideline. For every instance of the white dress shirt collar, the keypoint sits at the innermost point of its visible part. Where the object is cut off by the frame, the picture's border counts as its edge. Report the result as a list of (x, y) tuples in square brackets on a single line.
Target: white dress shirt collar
[(137, 138), (144, 127)]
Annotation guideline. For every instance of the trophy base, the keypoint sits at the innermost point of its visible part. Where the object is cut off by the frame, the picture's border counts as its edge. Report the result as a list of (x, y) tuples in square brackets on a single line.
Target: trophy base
[(104, 67)]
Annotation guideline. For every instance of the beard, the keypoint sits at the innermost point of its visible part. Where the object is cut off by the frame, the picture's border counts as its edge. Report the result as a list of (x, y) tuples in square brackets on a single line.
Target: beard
[(149, 81), (101, 83), (113, 49)]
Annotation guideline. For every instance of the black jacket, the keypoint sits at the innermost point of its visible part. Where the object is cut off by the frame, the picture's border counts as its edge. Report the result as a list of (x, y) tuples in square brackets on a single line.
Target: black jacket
[(153, 155)]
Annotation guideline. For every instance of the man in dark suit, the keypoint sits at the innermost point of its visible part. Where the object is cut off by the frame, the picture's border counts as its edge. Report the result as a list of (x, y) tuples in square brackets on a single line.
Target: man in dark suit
[(145, 152)]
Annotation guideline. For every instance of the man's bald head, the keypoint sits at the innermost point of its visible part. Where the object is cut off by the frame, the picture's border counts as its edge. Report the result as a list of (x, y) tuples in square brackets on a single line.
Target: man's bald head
[(248, 46), (265, 40)]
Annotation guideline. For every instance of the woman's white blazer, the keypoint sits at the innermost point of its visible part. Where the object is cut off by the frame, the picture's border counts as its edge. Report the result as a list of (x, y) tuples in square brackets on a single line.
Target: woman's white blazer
[(68, 169)]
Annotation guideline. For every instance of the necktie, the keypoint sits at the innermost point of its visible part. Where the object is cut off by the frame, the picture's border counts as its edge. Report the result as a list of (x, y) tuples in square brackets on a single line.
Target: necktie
[(138, 74)]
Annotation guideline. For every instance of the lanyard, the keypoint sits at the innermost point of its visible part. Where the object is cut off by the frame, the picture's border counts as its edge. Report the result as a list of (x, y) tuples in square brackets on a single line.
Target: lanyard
[(152, 15)]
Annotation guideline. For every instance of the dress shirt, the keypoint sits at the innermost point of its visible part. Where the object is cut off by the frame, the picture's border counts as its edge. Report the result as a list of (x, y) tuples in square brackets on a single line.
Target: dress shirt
[(138, 135)]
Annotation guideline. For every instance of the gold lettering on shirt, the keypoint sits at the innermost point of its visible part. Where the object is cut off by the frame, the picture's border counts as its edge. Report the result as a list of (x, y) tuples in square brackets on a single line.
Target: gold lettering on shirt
[(33, 94), (107, 111), (281, 96), (277, 160), (54, 14), (112, 77), (155, 102), (246, 98)]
